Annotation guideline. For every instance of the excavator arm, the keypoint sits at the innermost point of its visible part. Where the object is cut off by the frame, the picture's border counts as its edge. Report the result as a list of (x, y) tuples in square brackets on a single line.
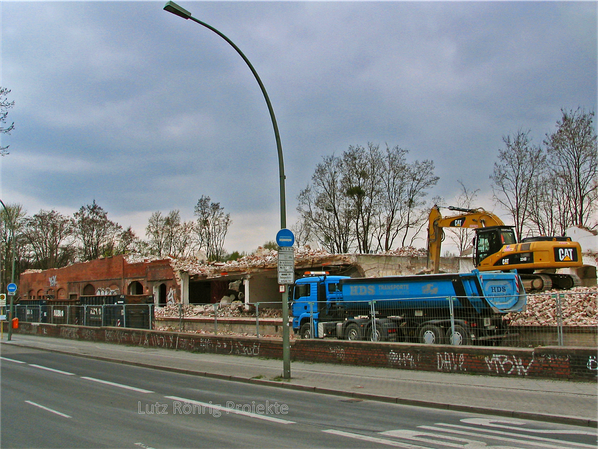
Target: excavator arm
[(468, 218)]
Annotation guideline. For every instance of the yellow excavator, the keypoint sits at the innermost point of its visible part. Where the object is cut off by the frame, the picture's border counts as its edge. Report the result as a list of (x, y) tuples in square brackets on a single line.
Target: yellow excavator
[(495, 247)]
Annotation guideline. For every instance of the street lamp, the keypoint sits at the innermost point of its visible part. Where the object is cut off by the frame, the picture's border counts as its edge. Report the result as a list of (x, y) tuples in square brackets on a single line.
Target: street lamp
[(175, 9), (12, 278)]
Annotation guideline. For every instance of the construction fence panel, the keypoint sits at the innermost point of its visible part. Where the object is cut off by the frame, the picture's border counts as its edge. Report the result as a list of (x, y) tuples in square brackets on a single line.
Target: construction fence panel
[(551, 319), (228, 318), (565, 318), (121, 315)]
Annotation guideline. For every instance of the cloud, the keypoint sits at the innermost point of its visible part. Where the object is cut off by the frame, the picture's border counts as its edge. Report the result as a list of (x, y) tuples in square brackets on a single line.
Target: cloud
[(129, 105)]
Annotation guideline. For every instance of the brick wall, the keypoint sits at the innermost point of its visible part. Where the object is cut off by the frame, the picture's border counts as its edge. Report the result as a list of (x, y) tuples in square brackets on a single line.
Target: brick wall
[(545, 362), (109, 273)]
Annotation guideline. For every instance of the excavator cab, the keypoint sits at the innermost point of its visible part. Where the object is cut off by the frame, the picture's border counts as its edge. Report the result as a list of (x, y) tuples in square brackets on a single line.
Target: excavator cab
[(490, 240)]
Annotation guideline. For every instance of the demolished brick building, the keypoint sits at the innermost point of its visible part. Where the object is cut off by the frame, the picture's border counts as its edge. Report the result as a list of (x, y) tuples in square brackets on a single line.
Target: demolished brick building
[(250, 279)]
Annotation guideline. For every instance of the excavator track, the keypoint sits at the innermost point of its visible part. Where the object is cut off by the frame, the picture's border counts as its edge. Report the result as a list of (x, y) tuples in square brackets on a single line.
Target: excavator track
[(541, 282), (537, 282)]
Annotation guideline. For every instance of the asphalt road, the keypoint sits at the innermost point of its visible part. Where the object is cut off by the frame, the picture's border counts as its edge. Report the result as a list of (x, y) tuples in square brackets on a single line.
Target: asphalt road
[(57, 400)]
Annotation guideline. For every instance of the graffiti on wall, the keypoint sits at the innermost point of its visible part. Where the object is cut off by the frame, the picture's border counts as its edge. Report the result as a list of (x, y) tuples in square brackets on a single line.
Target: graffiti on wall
[(170, 296), (338, 352), (508, 364), (176, 341), (450, 362), (402, 359), (592, 364), (107, 291)]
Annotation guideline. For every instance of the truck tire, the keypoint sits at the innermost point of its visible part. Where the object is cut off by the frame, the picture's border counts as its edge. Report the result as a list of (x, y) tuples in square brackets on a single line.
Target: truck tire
[(352, 332), (461, 336), (431, 335), (305, 331), (375, 336)]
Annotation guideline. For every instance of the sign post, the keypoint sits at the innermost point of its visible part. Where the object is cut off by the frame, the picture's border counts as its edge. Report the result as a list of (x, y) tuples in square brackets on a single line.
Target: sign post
[(2, 314), (286, 276), (11, 289)]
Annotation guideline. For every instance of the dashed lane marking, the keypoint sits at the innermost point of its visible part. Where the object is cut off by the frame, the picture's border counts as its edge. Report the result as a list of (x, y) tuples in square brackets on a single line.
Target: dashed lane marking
[(48, 409)]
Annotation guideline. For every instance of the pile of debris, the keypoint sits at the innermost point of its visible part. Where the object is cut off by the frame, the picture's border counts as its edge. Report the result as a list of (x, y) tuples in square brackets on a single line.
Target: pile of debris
[(292, 336), (579, 307), (408, 251), (236, 309), (262, 259)]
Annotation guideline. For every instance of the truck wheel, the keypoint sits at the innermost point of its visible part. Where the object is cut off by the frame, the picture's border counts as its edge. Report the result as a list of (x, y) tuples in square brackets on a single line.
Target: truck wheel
[(375, 336), (431, 335), (305, 331), (459, 338), (352, 332)]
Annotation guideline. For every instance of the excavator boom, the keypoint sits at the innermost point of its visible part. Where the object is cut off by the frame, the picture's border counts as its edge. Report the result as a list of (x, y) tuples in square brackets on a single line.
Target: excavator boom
[(469, 218)]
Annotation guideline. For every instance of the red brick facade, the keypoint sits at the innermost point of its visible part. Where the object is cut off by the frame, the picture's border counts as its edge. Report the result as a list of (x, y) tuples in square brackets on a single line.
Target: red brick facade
[(102, 277)]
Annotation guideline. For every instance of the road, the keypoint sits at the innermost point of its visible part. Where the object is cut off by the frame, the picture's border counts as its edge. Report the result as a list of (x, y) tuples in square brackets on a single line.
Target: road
[(57, 400)]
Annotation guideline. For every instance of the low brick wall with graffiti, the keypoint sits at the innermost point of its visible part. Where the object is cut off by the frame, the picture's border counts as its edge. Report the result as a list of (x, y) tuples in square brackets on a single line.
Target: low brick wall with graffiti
[(571, 363)]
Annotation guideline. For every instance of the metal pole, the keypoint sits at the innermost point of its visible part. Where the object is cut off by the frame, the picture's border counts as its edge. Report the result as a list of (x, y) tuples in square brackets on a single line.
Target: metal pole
[(452, 311), (216, 319), (373, 313), (175, 9), (312, 331), (559, 319), (12, 277), (257, 319)]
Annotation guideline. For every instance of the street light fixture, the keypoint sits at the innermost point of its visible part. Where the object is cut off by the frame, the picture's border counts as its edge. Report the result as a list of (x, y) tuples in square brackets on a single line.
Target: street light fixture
[(175, 9)]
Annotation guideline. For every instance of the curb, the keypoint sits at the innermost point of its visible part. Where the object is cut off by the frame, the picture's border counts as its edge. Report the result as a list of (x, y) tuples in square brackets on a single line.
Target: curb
[(571, 420)]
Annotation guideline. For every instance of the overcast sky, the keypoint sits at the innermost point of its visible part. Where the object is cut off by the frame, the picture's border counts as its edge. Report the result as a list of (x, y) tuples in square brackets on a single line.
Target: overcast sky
[(143, 111)]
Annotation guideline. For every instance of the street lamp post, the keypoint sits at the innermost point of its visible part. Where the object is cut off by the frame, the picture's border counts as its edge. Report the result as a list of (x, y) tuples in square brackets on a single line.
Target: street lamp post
[(12, 277), (286, 347)]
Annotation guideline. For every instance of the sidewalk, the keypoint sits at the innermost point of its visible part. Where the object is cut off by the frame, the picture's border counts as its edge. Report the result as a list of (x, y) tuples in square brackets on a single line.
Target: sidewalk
[(546, 400)]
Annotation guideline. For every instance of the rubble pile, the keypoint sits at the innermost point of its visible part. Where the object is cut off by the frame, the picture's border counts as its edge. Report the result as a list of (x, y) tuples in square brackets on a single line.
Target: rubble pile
[(209, 332), (408, 251), (579, 307), (234, 310)]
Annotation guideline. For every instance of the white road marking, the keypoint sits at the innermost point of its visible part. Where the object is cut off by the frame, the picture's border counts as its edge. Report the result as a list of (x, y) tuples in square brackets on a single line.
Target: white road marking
[(435, 438), (518, 438), (48, 409), (114, 384), (11, 360), (356, 436), (66, 373), (498, 423), (210, 406)]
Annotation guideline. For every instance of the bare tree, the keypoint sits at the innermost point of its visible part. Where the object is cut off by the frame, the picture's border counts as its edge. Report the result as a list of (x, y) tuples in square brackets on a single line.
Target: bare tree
[(169, 236), (361, 185), (366, 199), (324, 207), (573, 155), (128, 242), (302, 233), (12, 222), (394, 175), (420, 178), (97, 235), (50, 238), (212, 227), (462, 237), (519, 164), (549, 210), (5, 105)]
